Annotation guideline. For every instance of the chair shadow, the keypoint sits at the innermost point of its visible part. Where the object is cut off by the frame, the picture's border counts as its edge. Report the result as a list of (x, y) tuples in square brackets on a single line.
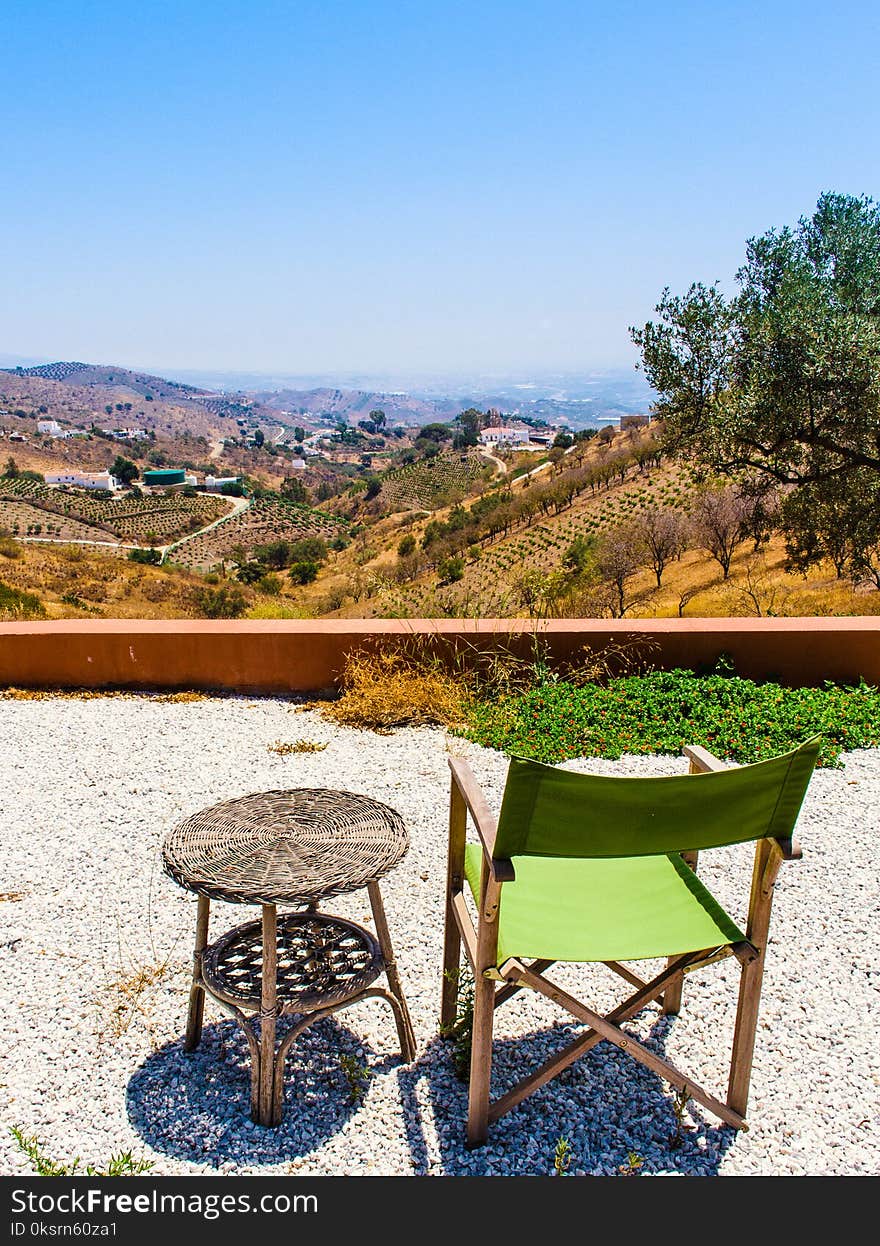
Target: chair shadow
[(195, 1106), (617, 1116)]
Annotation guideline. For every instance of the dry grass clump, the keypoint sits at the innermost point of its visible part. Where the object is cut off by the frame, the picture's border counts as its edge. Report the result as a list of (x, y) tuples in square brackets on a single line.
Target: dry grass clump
[(52, 694), (384, 690), (93, 694), (283, 747), (175, 698), (127, 995)]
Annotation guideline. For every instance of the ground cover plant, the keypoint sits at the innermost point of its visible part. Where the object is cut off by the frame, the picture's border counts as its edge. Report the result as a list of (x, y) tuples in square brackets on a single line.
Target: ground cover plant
[(604, 705), (661, 711)]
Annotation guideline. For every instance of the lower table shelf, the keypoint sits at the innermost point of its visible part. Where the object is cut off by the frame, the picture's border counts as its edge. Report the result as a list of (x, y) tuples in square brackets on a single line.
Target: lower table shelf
[(321, 960)]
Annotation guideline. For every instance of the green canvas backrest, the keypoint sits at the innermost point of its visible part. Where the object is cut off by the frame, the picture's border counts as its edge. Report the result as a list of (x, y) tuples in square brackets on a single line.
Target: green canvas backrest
[(548, 812)]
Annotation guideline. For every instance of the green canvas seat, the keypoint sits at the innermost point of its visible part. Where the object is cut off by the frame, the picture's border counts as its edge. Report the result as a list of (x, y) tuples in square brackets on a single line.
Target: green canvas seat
[(639, 908), (603, 868)]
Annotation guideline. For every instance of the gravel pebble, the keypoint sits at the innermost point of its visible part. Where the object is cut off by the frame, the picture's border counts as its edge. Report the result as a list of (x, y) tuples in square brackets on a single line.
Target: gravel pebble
[(95, 954)]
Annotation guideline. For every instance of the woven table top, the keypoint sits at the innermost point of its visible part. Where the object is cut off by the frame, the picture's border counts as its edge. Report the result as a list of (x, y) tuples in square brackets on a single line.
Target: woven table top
[(285, 847)]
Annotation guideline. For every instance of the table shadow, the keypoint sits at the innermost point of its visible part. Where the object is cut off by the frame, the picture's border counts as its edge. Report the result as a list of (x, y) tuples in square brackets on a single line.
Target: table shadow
[(195, 1106), (617, 1116)]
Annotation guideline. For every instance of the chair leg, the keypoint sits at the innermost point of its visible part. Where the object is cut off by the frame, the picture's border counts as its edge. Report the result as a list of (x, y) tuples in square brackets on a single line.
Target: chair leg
[(452, 935), (672, 994), (196, 1011), (744, 1035), (481, 1061)]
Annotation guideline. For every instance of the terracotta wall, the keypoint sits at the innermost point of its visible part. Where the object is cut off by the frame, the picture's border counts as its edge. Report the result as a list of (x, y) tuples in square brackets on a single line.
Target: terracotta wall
[(306, 656)]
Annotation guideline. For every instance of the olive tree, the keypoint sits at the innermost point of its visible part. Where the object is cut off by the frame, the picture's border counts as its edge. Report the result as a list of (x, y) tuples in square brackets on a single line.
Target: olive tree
[(781, 382)]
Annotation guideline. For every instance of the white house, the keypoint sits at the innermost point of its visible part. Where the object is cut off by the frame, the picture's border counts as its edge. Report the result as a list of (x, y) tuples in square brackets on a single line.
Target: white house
[(214, 484), (84, 480), (505, 435), (49, 428), (298, 465)]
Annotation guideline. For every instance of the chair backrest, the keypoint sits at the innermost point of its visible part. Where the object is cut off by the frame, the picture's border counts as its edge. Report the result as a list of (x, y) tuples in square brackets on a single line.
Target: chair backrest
[(548, 812)]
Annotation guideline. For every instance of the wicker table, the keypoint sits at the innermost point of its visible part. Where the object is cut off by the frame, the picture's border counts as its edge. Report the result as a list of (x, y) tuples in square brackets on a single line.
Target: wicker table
[(293, 848)]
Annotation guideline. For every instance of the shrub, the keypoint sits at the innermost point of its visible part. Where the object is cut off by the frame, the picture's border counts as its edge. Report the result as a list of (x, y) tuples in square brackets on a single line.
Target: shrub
[(150, 556), (224, 602), (270, 584), (309, 549), (17, 604), (303, 572), (451, 569)]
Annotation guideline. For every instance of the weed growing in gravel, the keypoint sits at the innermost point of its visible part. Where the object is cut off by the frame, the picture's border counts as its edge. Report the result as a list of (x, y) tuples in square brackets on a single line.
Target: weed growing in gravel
[(283, 748), (562, 1157), (461, 1030), (128, 991), (121, 1165), (632, 1166), (680, 1100), (357, 1075)]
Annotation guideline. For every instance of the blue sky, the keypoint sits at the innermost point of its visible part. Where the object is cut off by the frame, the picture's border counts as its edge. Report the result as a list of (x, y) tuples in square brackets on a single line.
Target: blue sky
[(387, 185)]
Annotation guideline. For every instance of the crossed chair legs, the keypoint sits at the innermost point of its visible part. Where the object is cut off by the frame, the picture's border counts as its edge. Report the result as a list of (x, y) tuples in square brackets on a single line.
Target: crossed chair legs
[(494, 985)]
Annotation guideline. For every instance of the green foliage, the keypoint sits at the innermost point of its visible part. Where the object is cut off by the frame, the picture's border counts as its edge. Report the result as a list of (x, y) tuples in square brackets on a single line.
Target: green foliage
[(662, 711), (357, 1075), (294, 489), (122, 1164), (461, 1031), (270, 584), (309, 549), (150, 556), (580, 554), (562, 1157), (223, 602), (406, 546), (469, 424), (124, 470), (451, 569), (250, 572), (15, 603), (304, 572), (783, 381), (234, 489), (276, 554)]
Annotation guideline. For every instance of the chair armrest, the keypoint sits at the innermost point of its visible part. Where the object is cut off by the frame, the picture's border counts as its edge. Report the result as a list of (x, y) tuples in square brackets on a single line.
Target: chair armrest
[(465, 780), (789, 849), (702, 761)]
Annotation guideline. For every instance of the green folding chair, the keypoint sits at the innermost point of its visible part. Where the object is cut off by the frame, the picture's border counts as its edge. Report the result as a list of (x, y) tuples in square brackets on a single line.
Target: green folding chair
[(592, 868)]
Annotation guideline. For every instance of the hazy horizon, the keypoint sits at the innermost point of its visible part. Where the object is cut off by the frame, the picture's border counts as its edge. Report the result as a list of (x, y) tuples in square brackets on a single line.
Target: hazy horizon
[(392, 189)]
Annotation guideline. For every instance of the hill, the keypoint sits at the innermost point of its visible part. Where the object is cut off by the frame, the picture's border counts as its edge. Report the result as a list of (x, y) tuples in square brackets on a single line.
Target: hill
[(86, 374), (354, 404)]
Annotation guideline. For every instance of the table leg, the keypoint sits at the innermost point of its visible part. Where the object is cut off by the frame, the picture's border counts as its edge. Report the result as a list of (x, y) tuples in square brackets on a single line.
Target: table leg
[(196, 1011), (269, 1110), (404, 1024)]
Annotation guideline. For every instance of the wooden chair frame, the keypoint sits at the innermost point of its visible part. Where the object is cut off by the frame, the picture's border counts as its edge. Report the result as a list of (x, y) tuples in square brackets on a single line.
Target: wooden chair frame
[(494, 985)]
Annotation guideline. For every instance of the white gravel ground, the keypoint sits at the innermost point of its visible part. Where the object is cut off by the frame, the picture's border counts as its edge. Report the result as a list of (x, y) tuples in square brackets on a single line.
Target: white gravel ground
[(93, 1067)]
